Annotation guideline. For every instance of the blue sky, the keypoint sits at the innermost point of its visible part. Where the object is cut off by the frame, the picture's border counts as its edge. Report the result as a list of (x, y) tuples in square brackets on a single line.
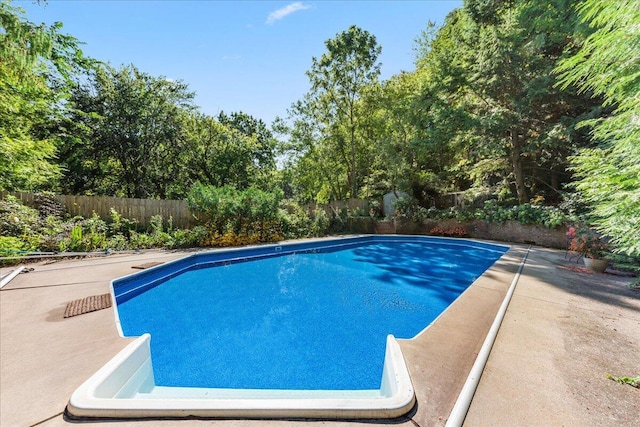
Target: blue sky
[(246, 56)]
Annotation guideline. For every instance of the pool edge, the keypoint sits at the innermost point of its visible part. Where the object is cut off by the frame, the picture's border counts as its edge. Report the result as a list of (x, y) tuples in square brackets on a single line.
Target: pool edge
[(97, 397)]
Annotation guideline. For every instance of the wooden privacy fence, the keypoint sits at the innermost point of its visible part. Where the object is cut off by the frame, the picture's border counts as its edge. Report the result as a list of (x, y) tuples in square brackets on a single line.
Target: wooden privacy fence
[(139, 209), (143, 209)]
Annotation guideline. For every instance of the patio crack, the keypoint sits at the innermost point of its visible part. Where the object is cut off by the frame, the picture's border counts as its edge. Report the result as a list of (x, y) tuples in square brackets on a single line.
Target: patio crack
[(47, 419)]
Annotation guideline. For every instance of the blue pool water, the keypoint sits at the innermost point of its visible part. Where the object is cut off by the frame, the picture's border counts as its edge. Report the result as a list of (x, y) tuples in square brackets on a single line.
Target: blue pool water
[(313, 317)]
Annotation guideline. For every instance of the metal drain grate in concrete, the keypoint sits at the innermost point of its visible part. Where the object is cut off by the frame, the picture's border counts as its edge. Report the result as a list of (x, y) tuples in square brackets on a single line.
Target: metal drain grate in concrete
[(87, 305), (146, 265)]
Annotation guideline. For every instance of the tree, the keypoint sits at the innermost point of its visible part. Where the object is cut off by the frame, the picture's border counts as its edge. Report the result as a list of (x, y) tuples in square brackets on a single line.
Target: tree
[(330, 119), (35, 63), (409, 156), (219, 155), (492, 64), (609, 65), (132, 132), (264, 151), (263, 148)]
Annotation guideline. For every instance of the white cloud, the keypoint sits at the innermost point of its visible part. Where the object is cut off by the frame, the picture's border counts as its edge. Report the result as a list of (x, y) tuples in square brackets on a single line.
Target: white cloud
[(285, 11)]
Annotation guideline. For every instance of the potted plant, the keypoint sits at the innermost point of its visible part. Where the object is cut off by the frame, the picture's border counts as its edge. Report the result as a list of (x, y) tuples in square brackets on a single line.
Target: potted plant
[(591, 245)]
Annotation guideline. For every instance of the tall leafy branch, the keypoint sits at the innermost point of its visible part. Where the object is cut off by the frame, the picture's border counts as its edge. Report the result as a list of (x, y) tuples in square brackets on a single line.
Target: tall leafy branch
[(609, 65), (35, 66)]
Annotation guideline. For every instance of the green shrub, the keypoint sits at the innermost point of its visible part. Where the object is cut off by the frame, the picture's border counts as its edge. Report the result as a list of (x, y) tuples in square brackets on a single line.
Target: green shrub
[(227, 209), (189, 238), (121, 225), (408, 207), (117, 242), (294, 220), (492, 211), (17, 219), (141, 240), (10, 246), (320, 224)]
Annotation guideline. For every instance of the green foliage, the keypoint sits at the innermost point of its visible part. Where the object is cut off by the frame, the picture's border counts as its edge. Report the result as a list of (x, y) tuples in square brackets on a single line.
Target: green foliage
[(234, 150), (320, 224), (261, 150), (35, 63), (130, 124), (609, 173), (23, 230), (633, 382), (246, 212), (17, 219), (297, 222), (121, 225), (11, 246), (482, 110), (75, 239), (216, 206), (410, 208), (491, 111), (329, 133), (189, 238), (526, 214)]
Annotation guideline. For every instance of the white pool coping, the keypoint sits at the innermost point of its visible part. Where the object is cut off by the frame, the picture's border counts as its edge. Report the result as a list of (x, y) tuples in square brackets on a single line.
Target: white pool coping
[(125, 388)]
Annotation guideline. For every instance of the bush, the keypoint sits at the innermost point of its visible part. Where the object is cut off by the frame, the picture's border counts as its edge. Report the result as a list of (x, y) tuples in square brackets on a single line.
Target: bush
[(189, 238), (17, 219), (121, 225), (408, 207), (227, 209), (10, 246), (525, 214), (295, 221), (248, 217), (320, 224)]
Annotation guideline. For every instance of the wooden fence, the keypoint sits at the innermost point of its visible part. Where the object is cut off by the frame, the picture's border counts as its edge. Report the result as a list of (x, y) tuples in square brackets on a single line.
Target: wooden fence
[(143, 209), (139, 209)]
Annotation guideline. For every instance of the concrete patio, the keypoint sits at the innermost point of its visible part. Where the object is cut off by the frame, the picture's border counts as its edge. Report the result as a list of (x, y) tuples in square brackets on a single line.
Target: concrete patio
[(563, 332)]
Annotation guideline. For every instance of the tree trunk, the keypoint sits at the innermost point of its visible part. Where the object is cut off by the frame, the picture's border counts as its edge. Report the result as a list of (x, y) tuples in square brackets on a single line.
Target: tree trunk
[(516, 163), (354, 177), (555, 184)]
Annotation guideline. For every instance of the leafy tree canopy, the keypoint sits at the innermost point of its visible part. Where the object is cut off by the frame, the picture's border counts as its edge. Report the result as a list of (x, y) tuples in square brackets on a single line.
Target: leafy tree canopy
[(329, 123), (609, 65), (35, 63), (128, 133)]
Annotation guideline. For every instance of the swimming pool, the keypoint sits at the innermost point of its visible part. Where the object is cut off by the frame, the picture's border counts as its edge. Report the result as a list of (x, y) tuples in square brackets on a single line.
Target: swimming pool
[(312, 332)]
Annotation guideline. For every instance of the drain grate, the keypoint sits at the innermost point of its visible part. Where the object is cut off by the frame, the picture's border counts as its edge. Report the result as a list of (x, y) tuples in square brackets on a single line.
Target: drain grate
[(87, 305), (146, 265)]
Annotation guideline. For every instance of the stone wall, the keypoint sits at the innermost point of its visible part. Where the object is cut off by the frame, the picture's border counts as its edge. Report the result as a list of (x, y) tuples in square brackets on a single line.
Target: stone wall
[(509, 231)]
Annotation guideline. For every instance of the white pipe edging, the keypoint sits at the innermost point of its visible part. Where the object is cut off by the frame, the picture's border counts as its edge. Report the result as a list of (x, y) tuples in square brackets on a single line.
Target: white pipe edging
[(461, 407), (10, 276)]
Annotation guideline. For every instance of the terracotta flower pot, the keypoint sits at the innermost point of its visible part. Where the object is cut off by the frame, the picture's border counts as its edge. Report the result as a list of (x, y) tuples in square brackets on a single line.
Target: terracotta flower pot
[(596, 264)]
